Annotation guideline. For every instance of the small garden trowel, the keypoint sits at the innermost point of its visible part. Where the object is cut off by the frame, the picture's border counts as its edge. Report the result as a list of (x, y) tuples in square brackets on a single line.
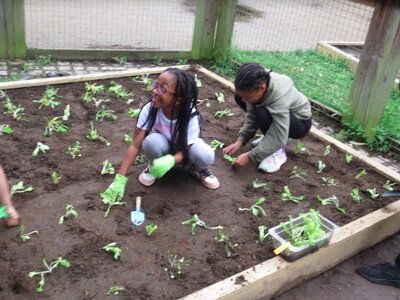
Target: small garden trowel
[(394, 193), (137, 216)]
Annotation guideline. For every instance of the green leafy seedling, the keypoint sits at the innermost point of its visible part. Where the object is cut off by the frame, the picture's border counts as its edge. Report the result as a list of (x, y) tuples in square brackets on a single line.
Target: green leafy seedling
[(70, 212), (182, 61), (287, 195), (91, 90), (327, 150), (133, 112), (150, 229), (389, 185), (195, 221), (26, 236), (121, 92), (329, 181), (220, 97), (114, 249), (75, 150), (297, 173), (257, 184), (198, 81), (299, 148), (262, 234), (49, 98), (49, 269), (6, 129), (17, 112), (55, 177), (229, 246), (227, 112), (105, 113), (372, 192), (110, 202), (176, 264), (107, 168), (40, 148), (116, 290), (256, 209), (93, 135), (216, 144), (321, 166), (333, 200), (128, 138), (355, 195), (20, 188), (348, 158), (360, 174), (229, 158)]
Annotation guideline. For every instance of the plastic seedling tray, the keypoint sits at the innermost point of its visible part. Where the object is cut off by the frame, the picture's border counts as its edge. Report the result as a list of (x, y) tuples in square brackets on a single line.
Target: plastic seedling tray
[(292, 253)]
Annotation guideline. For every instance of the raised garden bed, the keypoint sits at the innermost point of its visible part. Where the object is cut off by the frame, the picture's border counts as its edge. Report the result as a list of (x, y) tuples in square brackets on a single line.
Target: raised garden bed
[(170, 201)]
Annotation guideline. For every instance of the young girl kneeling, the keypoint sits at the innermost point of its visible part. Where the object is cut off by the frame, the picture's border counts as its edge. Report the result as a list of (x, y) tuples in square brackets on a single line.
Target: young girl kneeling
[(274, 105), (168, 132)]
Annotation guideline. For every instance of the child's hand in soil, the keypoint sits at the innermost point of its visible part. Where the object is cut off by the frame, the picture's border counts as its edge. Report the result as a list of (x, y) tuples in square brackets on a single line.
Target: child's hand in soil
[(116, 189), (242, 160), (162, 165), (232, 148), (13, 216)]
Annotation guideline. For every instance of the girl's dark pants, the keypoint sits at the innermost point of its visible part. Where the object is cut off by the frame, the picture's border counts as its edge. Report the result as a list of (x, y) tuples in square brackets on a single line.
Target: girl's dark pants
[(297, 128)]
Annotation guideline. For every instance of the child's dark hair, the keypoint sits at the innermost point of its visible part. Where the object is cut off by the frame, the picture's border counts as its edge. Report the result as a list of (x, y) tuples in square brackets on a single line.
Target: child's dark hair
[(187, 92), (251, 76)]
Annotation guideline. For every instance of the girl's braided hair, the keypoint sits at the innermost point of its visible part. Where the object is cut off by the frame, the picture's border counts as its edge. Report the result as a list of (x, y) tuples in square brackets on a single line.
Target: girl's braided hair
[(250, 76), (187, 92)]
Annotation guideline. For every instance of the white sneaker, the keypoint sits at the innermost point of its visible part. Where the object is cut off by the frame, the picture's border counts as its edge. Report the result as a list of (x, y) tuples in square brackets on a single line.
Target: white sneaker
[(206, 177), (146, 178), (256, 142), (273, 163)]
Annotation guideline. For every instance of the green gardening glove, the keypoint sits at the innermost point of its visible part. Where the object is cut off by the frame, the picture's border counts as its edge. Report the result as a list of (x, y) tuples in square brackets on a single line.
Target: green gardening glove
[(3, 212), (116, 190), (162, 165)]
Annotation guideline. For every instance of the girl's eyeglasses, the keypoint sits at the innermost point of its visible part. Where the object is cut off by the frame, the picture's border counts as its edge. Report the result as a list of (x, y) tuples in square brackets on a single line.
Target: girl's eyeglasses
[(161, 90)]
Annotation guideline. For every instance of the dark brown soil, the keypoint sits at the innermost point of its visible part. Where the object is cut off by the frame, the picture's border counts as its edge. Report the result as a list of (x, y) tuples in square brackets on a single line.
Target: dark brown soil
[(141, 269)]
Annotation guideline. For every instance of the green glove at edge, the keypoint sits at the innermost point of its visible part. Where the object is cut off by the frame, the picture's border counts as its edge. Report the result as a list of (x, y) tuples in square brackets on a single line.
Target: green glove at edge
[(162, 165), (3, 212), (116, 189)]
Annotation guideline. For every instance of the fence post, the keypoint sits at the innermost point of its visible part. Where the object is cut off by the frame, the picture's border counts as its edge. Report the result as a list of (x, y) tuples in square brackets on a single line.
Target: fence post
[(223, 36), (377, 68), (204, 28), (12, 29)]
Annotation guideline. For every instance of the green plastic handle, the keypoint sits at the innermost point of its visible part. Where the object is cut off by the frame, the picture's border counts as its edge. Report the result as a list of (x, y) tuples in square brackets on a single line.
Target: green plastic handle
[(3, 212)]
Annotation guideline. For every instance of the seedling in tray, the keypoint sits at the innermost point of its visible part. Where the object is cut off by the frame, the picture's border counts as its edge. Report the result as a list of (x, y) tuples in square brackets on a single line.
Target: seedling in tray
[(287, 195), (49, 268), (256, 208), (114, 249), (307, 233), (176, 264), (195, 221)]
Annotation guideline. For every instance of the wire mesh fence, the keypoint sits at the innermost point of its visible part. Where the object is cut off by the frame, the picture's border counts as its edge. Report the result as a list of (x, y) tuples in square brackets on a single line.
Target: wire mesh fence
[(298, 24), (168, 25)]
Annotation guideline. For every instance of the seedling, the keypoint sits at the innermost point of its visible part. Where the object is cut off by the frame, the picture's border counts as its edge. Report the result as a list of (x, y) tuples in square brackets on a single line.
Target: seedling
[(148, 82), (70, 212), (355, 195), (128, 139), (141, 158), (257, 184), (75, 149), (26, 236), (256, 208), (20, 188), (49, 98), (297, 173), (55, 177), (229, 158), (100, 101), (49, 268), (5, 129), (262, 234), (17, 112), (227, 112), (333, 200), (306, 234), (120, 60), (389, 185), (133, 112), (110, 202), (150, 229), (157, 60), (56, 124), (195, 221), (116, 290), (287, 195), (182, 61), (114, 249), (222, 238), (373, 193), (220, 97), (107, 168), (176, 264), (361, 174), (44, 60), (40, 147), (91, 90), (321, 166), (299, 148), (93, 135), (329, 181), (121, 92), (198, 81), (105, 113), (348, 158), (216, 144), (327, 150)]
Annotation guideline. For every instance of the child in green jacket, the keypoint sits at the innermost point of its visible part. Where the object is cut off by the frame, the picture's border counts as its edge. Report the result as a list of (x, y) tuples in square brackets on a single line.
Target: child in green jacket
[(274, 105)]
